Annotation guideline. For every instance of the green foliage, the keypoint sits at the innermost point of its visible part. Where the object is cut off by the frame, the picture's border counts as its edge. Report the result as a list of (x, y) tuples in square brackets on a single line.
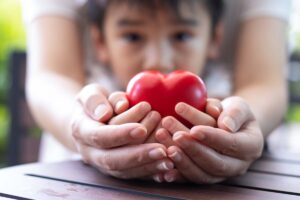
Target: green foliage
[(12, 36), (4, 122), (293, 114), (297, 40)]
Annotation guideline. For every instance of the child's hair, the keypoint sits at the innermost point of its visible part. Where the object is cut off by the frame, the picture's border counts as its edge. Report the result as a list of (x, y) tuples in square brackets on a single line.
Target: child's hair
[(97, 8)]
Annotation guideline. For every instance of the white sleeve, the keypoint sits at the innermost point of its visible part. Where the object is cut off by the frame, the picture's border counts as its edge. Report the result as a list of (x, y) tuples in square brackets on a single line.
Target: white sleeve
[(270, 8), (33, 9)]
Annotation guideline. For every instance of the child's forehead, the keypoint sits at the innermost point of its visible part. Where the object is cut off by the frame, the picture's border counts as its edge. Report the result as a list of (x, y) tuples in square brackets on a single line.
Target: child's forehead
[(177, 12)]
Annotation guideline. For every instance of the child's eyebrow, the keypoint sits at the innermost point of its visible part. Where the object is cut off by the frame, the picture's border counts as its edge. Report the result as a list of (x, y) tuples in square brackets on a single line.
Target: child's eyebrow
[(129, 22), (186, 22)]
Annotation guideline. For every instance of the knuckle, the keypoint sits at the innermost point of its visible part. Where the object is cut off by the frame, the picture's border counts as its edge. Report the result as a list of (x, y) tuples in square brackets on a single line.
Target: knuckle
[(97, 141), (75, 128), (233, 148), (94, 139), (234, 145), (211, 122), (221, 168), (108, 163)]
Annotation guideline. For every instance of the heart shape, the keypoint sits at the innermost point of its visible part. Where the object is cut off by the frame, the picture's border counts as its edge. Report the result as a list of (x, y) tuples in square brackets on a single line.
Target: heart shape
[(163, 92)]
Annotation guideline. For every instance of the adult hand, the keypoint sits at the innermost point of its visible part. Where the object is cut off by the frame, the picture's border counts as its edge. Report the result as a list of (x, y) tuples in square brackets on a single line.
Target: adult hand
[(208, 155), (106, 146)]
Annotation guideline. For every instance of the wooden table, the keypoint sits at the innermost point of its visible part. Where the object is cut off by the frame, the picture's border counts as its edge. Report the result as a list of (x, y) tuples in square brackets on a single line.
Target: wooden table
[(272, 177)]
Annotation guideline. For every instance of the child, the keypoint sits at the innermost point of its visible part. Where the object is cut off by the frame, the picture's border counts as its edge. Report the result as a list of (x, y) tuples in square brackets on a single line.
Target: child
[(136, 35)]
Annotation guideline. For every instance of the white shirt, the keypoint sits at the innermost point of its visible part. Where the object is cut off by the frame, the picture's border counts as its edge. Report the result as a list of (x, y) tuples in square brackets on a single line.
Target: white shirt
[(236, 12)]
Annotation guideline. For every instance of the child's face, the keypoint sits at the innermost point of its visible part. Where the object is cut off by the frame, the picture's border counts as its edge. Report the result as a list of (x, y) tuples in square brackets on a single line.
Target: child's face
[(134, 40)]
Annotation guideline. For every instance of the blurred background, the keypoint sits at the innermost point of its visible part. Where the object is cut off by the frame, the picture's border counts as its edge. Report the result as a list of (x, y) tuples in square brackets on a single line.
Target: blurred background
[(19, 136)]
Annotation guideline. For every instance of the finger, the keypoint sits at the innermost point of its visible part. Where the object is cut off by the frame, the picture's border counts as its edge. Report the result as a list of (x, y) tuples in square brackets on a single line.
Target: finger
[(151, 121), (246, 145), (173, 125), (93, 98), (208, 159), (173, 175), (213, 107), (159, 178), (134, 114), (188, 169), (151, 136), (235, 114), (124, 158), (119, 102), (146, 170), (193, 115), (98, 135), (164, 137)]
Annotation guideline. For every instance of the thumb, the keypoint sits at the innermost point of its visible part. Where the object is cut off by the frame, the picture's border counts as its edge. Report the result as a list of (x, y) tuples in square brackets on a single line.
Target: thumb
[(236, 113), (93, 99)]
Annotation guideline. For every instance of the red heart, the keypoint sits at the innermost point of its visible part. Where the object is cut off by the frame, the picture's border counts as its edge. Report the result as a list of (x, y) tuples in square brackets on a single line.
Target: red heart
[(163, 92)]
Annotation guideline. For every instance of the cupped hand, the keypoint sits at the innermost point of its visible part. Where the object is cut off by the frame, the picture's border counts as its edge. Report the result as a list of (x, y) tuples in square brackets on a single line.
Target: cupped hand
[(208, 154), (171, 125), (103, 138)]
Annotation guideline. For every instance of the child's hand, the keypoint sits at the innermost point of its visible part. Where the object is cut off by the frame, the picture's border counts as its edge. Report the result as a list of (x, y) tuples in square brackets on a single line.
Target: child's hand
[(194, 116), (209, 155), (140, 113), (105, 146), (171, 125)]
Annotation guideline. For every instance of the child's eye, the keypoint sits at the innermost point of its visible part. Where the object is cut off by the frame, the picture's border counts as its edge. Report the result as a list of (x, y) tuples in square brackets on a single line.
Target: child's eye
[(132, 37), (181, 36)]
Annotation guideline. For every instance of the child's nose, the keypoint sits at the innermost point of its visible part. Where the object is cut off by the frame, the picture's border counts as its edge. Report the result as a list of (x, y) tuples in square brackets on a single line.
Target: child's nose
[(159, 58)]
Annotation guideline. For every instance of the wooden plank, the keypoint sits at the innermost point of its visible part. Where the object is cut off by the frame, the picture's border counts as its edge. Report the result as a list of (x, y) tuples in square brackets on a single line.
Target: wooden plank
[(276, 167), (22, 186), (281, 157), (60, 177), (268, 182)]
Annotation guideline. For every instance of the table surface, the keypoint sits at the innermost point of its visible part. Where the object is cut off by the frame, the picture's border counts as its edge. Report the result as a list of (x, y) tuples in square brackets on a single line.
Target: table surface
[(271, 177)]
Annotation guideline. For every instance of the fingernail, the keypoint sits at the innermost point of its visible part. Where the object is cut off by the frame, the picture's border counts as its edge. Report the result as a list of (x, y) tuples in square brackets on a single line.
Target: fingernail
[(216, 109), (138, 132), (177, 135), (175, 156), (161, 135), (120, 104), (229, 123), (198, 134), (169, 178), (181, 140), (165, 166), (157, 153), (158, 178), (180, 108), (100, 111), (167, 123)]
